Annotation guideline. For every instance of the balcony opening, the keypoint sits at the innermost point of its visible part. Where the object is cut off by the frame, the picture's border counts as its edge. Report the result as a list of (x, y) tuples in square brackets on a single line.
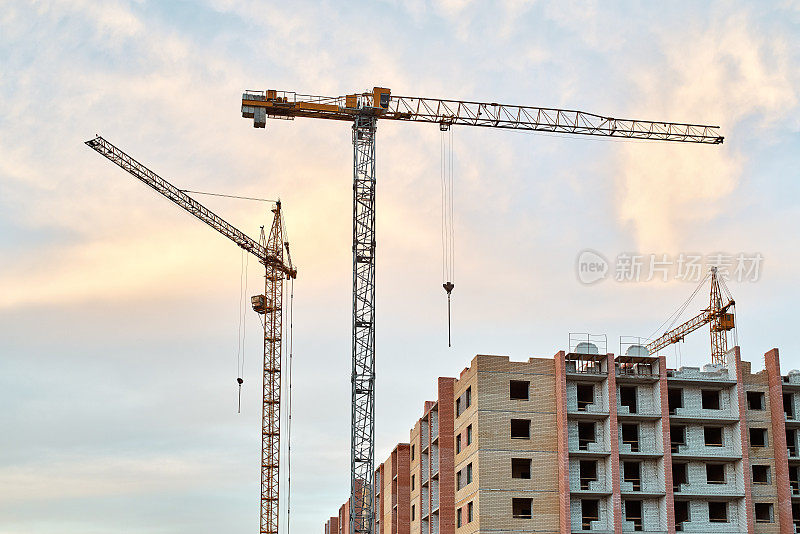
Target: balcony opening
[(681, 514), (761, 474), (519, 389), (674, 399), (520, 468), (590, 511), (633, 513), (791, 441), (718, 511), (763, 512), (796, 515), (588, 473), (794, 480), (788, 405), (630, 435), (632, 472), (585, 396), (758, 437), (712, 436), (520, 429), (715, 473), (677, 436), (627, 397), (755, 400), (521, 508), (710, 399), (586, 435), (679, 476)]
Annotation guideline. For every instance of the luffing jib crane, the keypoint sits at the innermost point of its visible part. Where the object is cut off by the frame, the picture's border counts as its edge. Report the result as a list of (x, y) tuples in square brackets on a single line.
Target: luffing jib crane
[(719, 315), (269, 251), (363, 110)]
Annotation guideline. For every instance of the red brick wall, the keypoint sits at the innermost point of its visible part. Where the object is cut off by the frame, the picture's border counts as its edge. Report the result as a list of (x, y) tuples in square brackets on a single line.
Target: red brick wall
[(403, 489), (447, 476), (616, 496), (563, 443), (784, 511), (748, 477), (664, 391)]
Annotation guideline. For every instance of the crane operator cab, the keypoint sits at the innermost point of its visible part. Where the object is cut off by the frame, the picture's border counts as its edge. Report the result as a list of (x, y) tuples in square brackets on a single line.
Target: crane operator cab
[(260, 304)]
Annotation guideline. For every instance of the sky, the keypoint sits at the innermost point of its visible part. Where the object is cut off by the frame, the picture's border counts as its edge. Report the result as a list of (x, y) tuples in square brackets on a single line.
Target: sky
[(119, 314)]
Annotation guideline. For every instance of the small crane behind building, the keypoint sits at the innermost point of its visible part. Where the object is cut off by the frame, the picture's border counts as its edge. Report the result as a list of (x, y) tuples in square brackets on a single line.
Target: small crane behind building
[(719, 315), (269, 251)]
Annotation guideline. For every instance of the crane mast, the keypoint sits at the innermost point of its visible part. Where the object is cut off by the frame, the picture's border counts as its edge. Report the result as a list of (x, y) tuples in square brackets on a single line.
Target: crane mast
[(363, 110), (269, 251)]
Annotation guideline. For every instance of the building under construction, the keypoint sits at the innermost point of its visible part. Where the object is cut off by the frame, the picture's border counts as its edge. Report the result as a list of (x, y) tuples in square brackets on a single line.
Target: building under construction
[(625, 444)]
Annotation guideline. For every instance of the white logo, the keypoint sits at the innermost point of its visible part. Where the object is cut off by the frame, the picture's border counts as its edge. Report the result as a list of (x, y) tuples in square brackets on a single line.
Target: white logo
[(591, 267)]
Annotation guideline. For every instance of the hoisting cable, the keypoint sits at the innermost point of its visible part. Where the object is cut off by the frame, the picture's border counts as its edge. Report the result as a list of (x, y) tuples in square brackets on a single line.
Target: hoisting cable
[(448, 255), (226, 196), (242, 326), (289, 409)]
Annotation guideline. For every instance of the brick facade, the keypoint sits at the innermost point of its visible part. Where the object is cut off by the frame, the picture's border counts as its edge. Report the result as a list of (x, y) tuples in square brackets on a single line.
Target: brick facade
[(587, 442)]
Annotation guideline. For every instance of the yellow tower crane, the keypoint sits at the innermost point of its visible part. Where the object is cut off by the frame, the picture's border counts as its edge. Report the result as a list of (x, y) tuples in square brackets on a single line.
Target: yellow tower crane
[(363, 110), (719, 315), (269, 251)]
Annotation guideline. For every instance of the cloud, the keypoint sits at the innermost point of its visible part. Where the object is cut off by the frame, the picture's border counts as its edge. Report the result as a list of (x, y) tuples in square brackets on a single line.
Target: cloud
[(728, 75)]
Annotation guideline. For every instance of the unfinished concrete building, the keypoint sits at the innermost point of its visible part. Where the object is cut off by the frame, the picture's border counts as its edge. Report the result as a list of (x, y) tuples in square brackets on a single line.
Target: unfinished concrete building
[(591, 442)]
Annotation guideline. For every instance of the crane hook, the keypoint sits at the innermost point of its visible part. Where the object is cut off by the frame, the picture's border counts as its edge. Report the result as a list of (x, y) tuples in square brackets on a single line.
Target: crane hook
[(448, 286)]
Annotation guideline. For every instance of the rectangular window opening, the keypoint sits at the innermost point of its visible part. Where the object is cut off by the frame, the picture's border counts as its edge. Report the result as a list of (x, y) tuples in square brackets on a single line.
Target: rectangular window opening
[(794, 480), (675, 399), (588, 473), (763, 512), (710, 399), (761, 474), (519, 389), (469, 512), (520, 429), (521, 468), (715, 473), (413, 478), (458, 517), (628, 397), (755, 400), (788, 405), (590, 511), (458, 444), (585, 396), (681, 514), (630, 435), (521, 508), (633, 513), (758, 437), (718, 511), (677, 436), (586, 435), (791, 441), (679, 476), (413, 510), (412, 453), (469, 435), (712, 436), (632, 472)]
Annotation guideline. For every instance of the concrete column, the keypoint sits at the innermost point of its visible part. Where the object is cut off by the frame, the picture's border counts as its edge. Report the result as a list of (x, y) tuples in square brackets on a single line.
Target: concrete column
[(563, 443), (784, 512), (745, 434), (667, 442), (616, 496)]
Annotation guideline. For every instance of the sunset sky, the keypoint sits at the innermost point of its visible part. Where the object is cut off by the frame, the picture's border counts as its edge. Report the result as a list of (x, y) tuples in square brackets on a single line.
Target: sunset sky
[(119, 313)]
